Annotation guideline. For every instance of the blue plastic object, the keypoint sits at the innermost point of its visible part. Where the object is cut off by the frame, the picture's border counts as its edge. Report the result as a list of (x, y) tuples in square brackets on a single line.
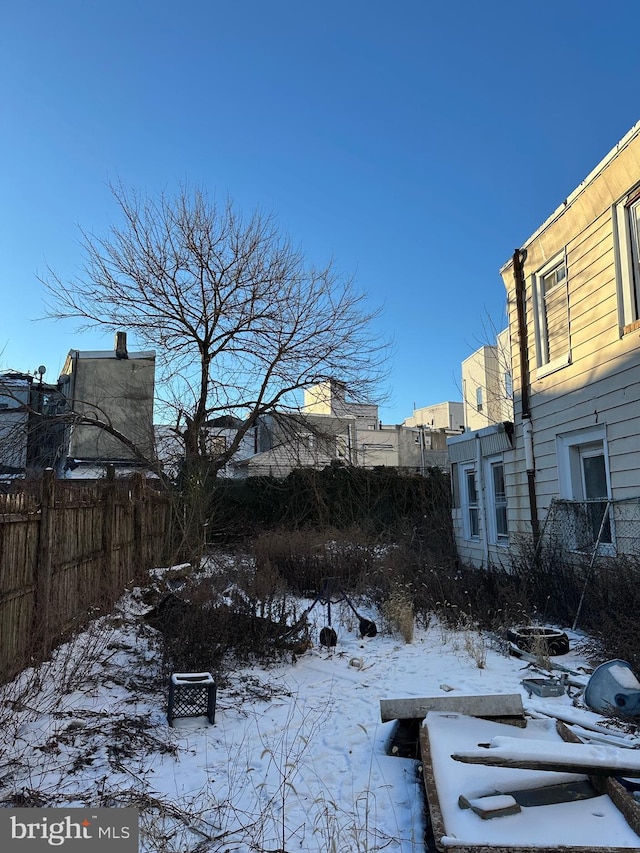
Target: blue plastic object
[(613, 687)]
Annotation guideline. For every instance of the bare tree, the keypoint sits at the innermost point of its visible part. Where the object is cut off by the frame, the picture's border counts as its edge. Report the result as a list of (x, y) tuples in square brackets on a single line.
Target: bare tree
[(241, 323)]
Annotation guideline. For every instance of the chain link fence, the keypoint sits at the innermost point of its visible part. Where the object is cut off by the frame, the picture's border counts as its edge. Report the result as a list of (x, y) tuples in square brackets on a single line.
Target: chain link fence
[(594, 528), (590, 536)]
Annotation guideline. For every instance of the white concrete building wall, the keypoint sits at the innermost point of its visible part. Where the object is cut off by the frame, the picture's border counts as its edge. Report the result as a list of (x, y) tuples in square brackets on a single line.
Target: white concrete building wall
[(119, 391), (448, 415)]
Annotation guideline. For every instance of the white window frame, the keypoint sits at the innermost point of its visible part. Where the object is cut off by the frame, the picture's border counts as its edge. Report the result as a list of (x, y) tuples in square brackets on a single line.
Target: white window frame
[(494, 536), (469, 507), (544, 366), (571, 447), (626, 239), (479, 396)]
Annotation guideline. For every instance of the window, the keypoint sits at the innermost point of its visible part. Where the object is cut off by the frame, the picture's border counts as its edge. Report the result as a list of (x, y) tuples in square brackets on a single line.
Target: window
[(626, 222), (584, 479), (470, 502), (479, 399), (593, 474), (497, 510), (215, 445), (552, 315), (508, 385), (455, 486)]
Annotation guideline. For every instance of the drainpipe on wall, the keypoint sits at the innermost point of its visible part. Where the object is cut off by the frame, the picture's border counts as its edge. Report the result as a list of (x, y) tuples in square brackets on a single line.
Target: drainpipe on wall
[(519, 257), (481, 498), (70, 399), (349, 445)]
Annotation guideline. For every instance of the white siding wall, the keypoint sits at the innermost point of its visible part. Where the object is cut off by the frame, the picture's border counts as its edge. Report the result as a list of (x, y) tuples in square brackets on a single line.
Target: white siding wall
[(601, 385), (478, 551)]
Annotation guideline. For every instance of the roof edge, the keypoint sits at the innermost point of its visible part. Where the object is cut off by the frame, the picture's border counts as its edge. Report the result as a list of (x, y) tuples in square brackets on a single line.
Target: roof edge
[(620, 146)]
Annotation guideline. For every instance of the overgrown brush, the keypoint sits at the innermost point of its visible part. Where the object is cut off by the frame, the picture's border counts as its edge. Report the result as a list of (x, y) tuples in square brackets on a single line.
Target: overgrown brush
[(384, 502), (547, 586), (303, 559), (244, 612)]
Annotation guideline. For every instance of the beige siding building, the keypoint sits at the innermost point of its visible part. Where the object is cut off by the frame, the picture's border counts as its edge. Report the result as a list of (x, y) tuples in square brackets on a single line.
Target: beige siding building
[(576, 369), (487, 384), (573, 293), (482, 485)]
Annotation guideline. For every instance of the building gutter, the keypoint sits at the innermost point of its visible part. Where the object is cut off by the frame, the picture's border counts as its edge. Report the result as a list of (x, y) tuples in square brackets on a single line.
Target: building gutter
[(519, 257), (626, 140)]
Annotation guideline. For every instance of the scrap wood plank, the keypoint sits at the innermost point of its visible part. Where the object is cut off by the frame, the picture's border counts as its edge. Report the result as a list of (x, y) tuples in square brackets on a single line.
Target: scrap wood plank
[(545, 795), (489, 807), (623, 800), (548, 665), (480, 705), (561, 757), (577, 717)]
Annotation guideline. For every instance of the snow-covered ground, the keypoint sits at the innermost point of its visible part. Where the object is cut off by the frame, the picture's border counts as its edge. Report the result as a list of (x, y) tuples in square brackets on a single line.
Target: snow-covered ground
[(297, 758)]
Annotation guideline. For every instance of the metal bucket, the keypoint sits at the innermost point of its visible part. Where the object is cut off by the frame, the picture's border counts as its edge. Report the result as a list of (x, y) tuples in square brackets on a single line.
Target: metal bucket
[(613, 687)]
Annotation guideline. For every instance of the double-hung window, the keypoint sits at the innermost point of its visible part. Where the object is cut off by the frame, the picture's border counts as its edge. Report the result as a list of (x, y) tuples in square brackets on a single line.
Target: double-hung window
[(584, 480), (626, 221), (497, 509), (469, 494), (551, 300)]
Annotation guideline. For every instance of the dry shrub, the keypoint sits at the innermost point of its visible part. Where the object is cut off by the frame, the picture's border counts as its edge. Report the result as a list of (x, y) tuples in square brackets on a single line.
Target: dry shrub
[(398, 613), (475, 646), (610, 609), (538, 587), (494, 596), (242, 613), (562, 586)]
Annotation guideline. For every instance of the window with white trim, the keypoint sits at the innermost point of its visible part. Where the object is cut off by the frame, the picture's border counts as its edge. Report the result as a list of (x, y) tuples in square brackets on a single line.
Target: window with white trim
[(551, 300), (479, 398), (469, 495), (455, 486), (626, 222), (497, 507), (583, 467)]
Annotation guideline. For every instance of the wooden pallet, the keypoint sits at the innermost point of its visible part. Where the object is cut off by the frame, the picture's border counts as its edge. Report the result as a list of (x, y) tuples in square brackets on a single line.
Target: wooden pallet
[(621, 798)]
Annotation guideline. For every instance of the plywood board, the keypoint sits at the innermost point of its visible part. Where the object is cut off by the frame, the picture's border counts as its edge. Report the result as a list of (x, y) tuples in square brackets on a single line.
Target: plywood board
[(460, 836)]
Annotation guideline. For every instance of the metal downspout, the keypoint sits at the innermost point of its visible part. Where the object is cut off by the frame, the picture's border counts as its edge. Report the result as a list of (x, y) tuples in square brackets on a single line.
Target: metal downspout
[(519, 257), (71, 403)]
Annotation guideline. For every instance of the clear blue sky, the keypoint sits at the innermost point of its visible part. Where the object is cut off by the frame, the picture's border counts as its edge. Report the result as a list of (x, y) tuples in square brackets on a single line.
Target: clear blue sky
[(417, 142)]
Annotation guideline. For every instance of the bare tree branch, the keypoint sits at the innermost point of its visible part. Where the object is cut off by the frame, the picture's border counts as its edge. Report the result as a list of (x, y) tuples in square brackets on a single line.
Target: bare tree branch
[(240, 322)]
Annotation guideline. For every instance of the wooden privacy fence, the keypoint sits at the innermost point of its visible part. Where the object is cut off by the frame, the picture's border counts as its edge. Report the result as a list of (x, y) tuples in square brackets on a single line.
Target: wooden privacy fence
[(68, 548)]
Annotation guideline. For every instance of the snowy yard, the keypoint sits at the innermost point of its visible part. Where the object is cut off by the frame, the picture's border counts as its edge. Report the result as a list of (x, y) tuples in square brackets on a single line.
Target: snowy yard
[(297, 758)]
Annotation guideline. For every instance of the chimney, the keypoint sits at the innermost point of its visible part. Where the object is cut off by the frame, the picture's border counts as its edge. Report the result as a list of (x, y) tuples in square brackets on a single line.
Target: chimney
[(121, 345)]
